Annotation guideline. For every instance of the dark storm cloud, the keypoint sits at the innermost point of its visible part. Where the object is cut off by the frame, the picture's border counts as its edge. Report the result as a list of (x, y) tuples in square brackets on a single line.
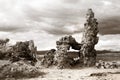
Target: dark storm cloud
[(72, 12), (55, 15), (110, 25), (7, 29), (45, 21), (62, 31), (58, 32), (57, 18), (13, 29)]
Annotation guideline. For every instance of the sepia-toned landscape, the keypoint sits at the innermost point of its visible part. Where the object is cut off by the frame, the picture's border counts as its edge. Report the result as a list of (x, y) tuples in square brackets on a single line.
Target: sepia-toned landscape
[(59, 40)]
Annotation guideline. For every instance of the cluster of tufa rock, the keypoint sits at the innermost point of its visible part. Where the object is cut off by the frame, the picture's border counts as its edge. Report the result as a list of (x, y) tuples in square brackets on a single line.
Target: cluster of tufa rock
[(24, 51), (21, 50), (60, 56), (63, 45), (61, 53), (4, 48), (106, 65), (48, 59), (86, 48), (89, 39), (27, 51)]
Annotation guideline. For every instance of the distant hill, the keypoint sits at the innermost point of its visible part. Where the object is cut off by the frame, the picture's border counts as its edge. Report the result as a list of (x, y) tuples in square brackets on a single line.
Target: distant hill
[(106, 51), (42, 52), (74, 52), (105, 55)]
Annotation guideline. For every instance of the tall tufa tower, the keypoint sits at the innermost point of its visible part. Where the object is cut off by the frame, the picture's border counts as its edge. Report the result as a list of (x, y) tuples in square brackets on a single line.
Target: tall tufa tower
[(89, 39)]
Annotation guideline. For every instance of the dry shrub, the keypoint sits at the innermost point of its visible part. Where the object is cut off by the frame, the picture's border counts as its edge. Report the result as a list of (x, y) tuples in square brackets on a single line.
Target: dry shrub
[(19, 70)]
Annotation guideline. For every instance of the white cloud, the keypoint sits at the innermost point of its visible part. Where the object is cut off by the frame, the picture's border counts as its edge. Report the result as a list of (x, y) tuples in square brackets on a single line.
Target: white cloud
[(107, 3), (109, 42), (45, 21), (43, 41)]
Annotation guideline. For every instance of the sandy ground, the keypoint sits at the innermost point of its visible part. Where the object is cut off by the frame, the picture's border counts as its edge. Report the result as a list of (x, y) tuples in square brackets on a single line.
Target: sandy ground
[(83, 73), (79, 74)]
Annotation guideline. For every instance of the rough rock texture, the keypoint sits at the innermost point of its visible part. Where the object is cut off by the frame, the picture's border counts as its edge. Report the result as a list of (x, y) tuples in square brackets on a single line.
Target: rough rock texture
[(63, 45), (89, 39), (18, 70), (60, 56), (48, 59), (24, 51), (87, 53), (74, 44), (3, 48), (61, 53), (106, 65)]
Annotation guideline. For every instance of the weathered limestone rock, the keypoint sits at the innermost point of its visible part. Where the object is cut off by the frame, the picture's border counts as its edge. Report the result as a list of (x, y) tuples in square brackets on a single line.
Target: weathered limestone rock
[(33, 50), (3, 48), (48, 59), (24, 50), (89, 39), (61, 53), (60, 56), (87, 51), (3, 45), (106, 65), (74, 44), (63, 45)]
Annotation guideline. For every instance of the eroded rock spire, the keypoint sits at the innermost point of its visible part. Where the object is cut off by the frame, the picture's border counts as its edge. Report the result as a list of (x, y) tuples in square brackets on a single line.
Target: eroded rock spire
[(89, 39)]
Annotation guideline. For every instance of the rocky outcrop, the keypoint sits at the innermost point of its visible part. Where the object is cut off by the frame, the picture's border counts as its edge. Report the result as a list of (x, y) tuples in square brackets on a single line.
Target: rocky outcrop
[(48, 59), (89, 39), (106, 65), (61, 53), (24, 51), (4, 48), (63, 45), (87, 52)]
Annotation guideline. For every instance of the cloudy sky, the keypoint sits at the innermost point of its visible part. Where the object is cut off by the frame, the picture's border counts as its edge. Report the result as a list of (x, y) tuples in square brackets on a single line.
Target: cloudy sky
[(45, 21)]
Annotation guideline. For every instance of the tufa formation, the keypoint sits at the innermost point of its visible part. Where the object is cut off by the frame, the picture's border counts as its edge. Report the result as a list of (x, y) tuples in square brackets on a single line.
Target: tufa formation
[(89, 39), (63, 45)]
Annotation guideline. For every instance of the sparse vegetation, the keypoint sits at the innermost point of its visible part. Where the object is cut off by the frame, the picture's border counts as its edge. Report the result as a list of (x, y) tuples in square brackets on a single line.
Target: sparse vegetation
[(19, 70)]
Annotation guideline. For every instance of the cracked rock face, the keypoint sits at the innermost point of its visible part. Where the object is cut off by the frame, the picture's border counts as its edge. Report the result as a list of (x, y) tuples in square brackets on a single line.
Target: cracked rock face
[(4, 53), (61, 53), (89, 39), (86, 47), (106, 65), (63, 45), (24, 50), (60, 56), (48, 59)]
